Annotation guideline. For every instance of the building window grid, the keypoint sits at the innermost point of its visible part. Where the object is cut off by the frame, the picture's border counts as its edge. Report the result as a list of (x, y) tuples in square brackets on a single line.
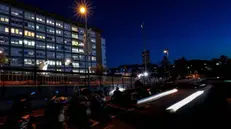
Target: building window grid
[(7, 31)]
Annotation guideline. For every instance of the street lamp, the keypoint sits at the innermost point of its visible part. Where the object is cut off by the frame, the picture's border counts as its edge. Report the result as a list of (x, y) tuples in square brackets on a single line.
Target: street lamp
[(83, 11), (145, 58), (167, 55)]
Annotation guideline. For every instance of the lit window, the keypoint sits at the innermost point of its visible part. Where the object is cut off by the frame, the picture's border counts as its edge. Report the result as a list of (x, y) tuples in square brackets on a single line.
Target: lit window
[(40, 36), (40, 18), (16, 42), (28, 33), (59, 24), (59, 63), (50, 22), (4, 19), (75, 43), (75, 70), (6, 30), (50, 46), (74, 28), (75, 64), (12, 30), (29, 43), (16, 12), (51, 62), (15, 31), (93, 58), (81, 51), (75, 50), (59, 32), (74, 35), (29, 62)]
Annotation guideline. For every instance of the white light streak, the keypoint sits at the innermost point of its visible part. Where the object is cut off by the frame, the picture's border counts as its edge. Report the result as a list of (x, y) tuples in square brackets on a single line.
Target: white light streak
[(185, 101), (155, 97)]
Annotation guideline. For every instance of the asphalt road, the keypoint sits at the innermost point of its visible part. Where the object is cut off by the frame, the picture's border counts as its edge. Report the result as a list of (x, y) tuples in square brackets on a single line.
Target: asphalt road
[(206, 111)]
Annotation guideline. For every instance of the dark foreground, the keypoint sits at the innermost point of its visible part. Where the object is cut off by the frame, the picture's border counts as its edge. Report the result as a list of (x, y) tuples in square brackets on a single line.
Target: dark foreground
[(209, 110)]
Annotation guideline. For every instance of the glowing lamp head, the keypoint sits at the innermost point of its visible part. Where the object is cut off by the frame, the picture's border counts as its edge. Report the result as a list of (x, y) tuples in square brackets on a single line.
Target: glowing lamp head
[(83, 10), (165, 51), (145, 74)]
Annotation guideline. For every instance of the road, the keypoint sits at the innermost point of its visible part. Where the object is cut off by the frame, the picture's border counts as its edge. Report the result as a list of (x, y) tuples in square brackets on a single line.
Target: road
[(208, 110)]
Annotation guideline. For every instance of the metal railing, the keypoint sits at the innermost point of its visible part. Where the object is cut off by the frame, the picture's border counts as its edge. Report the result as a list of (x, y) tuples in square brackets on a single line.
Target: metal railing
[(31, 77)]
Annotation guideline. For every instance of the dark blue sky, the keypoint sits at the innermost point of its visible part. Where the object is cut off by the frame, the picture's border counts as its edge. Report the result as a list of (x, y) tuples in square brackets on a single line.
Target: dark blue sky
[(195, 29)]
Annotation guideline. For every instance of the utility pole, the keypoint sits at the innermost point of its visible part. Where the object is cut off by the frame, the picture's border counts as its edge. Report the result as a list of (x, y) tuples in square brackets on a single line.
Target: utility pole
[(145, 57)]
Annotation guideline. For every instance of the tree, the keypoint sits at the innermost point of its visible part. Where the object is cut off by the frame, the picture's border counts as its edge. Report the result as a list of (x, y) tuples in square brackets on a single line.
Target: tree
[(180, 66), (3, 59), (100, 69), (223, 59), (164, 68)]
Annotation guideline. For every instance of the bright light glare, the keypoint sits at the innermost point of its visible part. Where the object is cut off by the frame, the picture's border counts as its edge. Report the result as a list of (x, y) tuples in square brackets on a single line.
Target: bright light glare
[(165, 51), (1, 52), (145, 74), (120, 88), (155, 97), (140, 75), (185, 101), (82, 10), (218, 77)]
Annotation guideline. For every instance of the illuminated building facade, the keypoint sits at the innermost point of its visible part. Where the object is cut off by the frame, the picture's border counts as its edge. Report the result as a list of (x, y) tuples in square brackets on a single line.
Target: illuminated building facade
[(29, 36)]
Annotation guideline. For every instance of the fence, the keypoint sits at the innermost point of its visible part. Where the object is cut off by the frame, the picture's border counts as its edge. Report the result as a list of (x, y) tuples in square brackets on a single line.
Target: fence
[(25, 78)]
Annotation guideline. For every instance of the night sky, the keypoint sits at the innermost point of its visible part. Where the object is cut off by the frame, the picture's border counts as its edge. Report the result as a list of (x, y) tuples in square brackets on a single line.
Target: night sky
[(195, 29)]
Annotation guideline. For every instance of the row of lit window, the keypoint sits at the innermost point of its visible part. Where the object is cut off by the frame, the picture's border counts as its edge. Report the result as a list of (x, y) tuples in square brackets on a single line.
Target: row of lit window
[(30, 16), (39, 35)]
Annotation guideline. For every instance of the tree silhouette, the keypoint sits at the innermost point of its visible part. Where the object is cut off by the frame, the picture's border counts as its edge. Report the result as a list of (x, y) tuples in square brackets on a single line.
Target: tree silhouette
[(180, 66)]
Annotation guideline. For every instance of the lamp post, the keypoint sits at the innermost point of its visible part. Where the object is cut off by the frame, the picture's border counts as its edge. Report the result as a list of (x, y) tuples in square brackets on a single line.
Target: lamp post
[(167, 55), (83, 11), (145, 58)]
